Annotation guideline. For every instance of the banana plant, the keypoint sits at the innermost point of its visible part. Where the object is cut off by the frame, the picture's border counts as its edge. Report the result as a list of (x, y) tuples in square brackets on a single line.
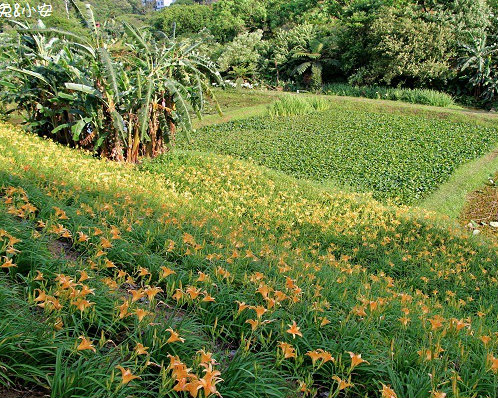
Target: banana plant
[(121, 96)]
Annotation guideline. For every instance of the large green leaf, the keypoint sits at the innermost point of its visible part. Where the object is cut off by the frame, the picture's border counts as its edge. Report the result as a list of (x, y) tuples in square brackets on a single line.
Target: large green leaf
[(84, 89), (110, 75), (143, 118), (130, 31), (30, 73)]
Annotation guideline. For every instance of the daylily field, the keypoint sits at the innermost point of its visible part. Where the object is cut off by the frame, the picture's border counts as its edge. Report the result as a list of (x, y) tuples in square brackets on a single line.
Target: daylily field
[(197, 275)]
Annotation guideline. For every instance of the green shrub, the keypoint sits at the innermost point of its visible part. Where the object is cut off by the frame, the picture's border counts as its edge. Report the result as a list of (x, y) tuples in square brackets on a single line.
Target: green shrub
[(414, 96), (292, 105)]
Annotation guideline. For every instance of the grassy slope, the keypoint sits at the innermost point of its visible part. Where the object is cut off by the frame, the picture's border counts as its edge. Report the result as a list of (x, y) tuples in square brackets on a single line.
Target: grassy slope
[(451, 197), (195, 212)]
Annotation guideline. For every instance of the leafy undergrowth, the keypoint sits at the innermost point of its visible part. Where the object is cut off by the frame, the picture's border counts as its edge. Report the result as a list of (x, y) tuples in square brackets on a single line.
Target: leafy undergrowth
[(397, 155), (118, 282)]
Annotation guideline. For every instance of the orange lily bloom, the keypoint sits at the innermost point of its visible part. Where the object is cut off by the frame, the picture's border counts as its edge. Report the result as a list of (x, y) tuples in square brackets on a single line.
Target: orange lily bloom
[(166, 272), (342, 383), (39, 276), (356, 359), (8, 263), (294, 330), (126, 375), (85, 344), (287, 349), (254, 323), (388, 392), (174, 336), (140, 349), (141, 314)]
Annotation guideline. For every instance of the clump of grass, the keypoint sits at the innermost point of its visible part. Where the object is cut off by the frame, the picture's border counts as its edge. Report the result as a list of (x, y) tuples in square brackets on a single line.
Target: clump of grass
[(292, 105), (414, 96)]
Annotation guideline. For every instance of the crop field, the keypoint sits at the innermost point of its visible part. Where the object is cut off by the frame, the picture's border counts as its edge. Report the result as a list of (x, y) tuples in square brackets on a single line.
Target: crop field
[(397, 155), (200, 274)]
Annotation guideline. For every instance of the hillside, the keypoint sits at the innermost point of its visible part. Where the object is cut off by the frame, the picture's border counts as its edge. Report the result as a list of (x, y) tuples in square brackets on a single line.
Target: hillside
[(123, 281)]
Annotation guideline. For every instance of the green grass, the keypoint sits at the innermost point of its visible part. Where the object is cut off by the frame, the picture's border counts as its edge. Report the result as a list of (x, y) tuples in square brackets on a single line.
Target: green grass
[(414, 96), (301, 253), (398, 153), (292, 105), (451, 196)]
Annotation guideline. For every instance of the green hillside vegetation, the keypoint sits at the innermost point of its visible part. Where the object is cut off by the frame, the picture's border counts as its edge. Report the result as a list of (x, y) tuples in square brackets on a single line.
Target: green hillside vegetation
[(238, 254), (398, 155), (211, 210)]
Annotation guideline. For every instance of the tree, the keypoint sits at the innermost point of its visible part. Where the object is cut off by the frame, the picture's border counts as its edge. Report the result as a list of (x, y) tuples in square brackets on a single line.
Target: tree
[(480, 60), (410, 49), (313, 60), (240, 57)]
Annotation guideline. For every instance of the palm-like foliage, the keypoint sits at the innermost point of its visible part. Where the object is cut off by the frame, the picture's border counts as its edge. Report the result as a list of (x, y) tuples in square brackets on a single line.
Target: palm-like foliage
[(481, 60), (122, 96), (312, 61)]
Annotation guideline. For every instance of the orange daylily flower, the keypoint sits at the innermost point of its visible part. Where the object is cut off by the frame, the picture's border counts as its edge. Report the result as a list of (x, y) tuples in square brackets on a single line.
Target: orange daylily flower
[(143, 271), (342, 384), (85, 344), (494, 363), (166, 272), (151, 292), (202, 277), (126, 375), (83, 237), (287, 349), (314, 355), (388, 392), (42, 296), (141, 314), (242, 306), (83, 276), (105, 243), (206, 357), (356, 359), (260, 310), (85, 290), (254, 323), (178, 294), (193, 292), (174, 336), (123, 309), (8, 263), (294, 330), (39, 276), (137, 294), (210, 379), (82, 304), (208, 297), (140, 349), (436, 322), (485, 339)]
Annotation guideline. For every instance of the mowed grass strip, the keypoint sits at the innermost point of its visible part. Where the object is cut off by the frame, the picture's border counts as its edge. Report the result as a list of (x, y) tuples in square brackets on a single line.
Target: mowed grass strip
[(397, 155)]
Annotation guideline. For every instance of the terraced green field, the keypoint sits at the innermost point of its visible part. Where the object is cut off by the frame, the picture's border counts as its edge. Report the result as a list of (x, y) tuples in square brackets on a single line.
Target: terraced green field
[(397, 155)]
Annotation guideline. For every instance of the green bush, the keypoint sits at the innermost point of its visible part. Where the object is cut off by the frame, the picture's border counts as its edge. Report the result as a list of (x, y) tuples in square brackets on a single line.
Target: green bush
[(188, 18), (292, 105), (414, 96)]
